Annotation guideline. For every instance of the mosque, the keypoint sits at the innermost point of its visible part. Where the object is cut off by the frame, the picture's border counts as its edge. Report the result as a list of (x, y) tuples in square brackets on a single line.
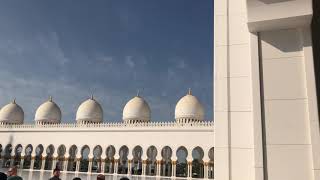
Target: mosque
[(135, 146), (266, 111)]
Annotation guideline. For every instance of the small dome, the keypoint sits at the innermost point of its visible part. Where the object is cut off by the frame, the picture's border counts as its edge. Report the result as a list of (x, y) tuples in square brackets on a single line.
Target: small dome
[(136, 110), (12, 113), (189, 108), (48, 112), (90, 111)]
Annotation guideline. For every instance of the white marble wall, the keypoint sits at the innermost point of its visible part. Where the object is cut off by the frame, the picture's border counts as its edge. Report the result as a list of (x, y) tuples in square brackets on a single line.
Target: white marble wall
[(266, 127), (233, 113), (288, 135)]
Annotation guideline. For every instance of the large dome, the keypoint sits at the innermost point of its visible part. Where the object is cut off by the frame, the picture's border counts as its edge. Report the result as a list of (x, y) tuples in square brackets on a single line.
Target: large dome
[(12, 113), (48, 112), (90, 111), (189, 108), (136, 110)]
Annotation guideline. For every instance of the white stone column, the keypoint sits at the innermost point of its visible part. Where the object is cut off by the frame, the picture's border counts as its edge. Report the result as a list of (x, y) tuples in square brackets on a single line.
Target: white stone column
[(78, 165), (54, 159), (103, 165), (78, 158), (90, 165), (205, 170), (22, 161), (43, 162), (144, 167), (158, 173), (189, 169), (174, 165), (115, 168), (65, 163), (32, 161), (129, 166)]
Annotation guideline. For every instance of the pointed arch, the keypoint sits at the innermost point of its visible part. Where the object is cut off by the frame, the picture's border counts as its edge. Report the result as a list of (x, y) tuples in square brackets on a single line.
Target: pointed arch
[(27, 156), (109, 161), (72, 161), (151, 168), (166, 163), (96, 161), (123, 160), (84, 160), (137, 161), (61, 156), (7, 156), (49, 158), (182, 163), (38, 158), (17, 155), (197, 163)]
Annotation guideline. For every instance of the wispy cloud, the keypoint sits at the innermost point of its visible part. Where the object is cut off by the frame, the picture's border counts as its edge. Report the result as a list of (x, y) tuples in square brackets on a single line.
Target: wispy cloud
[(30, 93), (106, 59), (181, 64), (109, 53), (50, 43), (129, 61)]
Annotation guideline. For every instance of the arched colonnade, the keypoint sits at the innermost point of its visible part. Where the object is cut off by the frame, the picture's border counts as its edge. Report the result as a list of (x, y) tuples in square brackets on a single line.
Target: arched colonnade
[(193, 162)]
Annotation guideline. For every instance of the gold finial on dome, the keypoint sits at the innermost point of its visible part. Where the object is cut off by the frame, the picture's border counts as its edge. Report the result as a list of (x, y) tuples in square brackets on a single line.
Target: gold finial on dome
[(50, 98), (14, 101), (138, 93), (92, 98), (189, 91)]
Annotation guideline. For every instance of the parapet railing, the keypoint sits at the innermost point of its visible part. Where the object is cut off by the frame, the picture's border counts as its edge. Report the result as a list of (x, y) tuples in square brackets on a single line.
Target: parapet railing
[(106, 125)]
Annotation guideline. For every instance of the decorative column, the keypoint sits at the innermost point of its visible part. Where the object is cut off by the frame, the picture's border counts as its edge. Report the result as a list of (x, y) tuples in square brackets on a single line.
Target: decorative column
[(174, 164), (54, 160), (205, 170), (21, 161), (158, 168), (90, 156), (115, 169), (78, 164), (65, 164), (189, 169), (90, 165), (33, 157), (43, 162), (78, 158), (129, 166), (144, 167), (103, 164)]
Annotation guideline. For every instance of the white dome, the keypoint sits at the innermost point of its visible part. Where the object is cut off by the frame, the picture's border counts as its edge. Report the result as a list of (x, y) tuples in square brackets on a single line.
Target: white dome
[(90, 111), (189, 107), (11, 113), (48, 112), (137, 109)]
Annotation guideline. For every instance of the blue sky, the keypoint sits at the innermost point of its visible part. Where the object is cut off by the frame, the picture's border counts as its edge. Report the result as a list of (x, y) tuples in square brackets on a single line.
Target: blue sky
[(109, 48)]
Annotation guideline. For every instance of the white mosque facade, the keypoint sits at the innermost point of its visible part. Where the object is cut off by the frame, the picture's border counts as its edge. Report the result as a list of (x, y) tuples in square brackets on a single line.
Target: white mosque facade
[(266, 108), (135, 146)]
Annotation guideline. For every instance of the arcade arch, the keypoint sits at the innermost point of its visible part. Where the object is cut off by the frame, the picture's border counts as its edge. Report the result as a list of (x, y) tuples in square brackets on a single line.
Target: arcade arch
[(27, 157), (172, 163), (72, 161), (49, 157), (84, 162), (151, 167), (109, 161), (166, 163), (38, 157)]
